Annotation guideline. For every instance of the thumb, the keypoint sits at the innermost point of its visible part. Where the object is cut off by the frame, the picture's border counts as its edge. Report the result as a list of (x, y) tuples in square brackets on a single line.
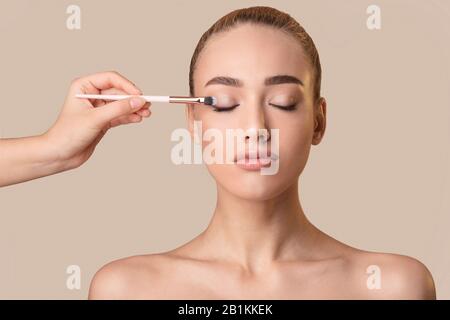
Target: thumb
[(112, 110)]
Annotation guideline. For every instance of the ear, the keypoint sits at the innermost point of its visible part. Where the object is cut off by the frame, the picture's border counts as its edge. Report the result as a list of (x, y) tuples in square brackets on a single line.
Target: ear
[(320, 120), (190, 118)]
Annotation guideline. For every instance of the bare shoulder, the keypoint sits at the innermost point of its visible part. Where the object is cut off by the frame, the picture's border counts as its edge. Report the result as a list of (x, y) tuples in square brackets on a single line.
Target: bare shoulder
[(128, 278), (391, 276)]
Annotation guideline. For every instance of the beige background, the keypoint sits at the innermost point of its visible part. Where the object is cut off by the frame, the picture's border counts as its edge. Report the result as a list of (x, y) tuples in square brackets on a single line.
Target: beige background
[(380, 180)]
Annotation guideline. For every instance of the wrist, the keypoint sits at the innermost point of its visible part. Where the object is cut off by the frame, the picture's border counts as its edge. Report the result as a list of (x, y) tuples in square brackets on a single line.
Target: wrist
[(49, 156)]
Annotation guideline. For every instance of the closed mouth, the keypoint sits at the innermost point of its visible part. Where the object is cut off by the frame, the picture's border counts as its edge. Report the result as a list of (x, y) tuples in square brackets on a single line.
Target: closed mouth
[(255, 161)]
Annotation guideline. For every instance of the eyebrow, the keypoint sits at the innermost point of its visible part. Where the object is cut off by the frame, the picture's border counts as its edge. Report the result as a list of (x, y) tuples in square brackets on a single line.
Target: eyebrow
[(274, 80)]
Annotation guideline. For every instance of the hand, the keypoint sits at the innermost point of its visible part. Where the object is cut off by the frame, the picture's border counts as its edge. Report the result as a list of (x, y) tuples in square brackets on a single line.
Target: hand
[(82, 123)]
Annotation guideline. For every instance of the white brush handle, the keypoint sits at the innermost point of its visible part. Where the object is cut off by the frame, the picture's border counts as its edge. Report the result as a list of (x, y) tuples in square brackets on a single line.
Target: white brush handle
[(113, 97)]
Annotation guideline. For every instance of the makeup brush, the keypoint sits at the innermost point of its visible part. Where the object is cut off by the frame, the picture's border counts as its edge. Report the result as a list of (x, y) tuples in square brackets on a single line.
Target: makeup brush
[(170, 99)]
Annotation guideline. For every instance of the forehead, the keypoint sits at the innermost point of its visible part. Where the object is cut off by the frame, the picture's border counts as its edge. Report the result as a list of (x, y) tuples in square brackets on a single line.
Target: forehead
[(251, 52)]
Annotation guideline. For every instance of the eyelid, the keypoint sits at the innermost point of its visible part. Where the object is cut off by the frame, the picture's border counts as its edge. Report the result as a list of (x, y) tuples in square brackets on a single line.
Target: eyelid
[(225, 102), (288, 107), (284, 99), (224, 99), (220, 109)]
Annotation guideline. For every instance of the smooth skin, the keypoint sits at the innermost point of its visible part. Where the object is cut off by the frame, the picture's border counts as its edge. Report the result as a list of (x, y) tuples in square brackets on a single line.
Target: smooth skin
[(80, 126), (259, 243)]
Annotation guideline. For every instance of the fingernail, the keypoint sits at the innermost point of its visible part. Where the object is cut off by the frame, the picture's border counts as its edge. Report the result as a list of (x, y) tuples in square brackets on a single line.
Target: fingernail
[(137, 103)]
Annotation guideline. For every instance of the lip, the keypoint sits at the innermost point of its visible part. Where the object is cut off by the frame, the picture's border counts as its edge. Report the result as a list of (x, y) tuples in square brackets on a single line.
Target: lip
[(253, 162)]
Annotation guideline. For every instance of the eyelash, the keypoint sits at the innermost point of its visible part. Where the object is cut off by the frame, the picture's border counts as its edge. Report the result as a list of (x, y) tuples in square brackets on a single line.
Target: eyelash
[(285, 108), (221, 109), (291, 107)]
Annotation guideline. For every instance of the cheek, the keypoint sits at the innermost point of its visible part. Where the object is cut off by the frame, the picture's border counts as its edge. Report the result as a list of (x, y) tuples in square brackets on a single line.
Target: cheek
[(295, 137), (214, 120), (295, 141)]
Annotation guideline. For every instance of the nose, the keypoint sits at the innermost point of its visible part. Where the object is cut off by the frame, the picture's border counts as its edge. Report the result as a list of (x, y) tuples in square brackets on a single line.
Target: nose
[(255, 124)]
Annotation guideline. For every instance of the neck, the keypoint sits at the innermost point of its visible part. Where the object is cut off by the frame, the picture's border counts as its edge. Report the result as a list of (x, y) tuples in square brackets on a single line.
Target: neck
[(255, 233)]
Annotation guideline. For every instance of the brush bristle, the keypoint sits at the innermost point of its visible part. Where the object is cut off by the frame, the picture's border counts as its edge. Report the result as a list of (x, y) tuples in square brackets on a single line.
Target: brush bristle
[(210, 101)]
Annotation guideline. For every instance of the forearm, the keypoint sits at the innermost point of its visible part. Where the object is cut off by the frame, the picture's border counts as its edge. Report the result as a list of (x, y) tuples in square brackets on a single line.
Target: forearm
[(27, 158)]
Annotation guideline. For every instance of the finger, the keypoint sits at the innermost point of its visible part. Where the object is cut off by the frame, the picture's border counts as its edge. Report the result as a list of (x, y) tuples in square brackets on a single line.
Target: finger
[(132, 118), (144, 112), (98, 102), (105, 80), (113, 79), (114, 91), (112, 110)]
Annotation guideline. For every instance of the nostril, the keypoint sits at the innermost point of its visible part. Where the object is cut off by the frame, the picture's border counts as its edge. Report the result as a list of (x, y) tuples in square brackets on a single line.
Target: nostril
[(263, 135)]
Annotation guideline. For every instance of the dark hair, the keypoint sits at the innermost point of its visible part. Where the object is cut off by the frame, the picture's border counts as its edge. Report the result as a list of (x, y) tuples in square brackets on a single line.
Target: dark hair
[(264, 16)]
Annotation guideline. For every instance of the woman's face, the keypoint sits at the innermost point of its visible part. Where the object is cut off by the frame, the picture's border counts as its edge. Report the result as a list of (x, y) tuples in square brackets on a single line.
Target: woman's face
[(253, 55)]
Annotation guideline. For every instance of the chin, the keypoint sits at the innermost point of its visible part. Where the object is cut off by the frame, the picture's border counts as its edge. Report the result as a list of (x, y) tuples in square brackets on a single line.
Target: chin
[(250, 185)]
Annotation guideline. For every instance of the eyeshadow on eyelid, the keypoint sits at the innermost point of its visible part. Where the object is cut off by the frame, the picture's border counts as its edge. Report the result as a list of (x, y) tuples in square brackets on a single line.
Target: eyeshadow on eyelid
[(224, 100), (283, 99)]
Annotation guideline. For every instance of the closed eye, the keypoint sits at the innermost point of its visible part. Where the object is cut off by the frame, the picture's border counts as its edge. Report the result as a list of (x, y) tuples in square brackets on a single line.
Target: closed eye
[(221, 109), (290, 107)]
